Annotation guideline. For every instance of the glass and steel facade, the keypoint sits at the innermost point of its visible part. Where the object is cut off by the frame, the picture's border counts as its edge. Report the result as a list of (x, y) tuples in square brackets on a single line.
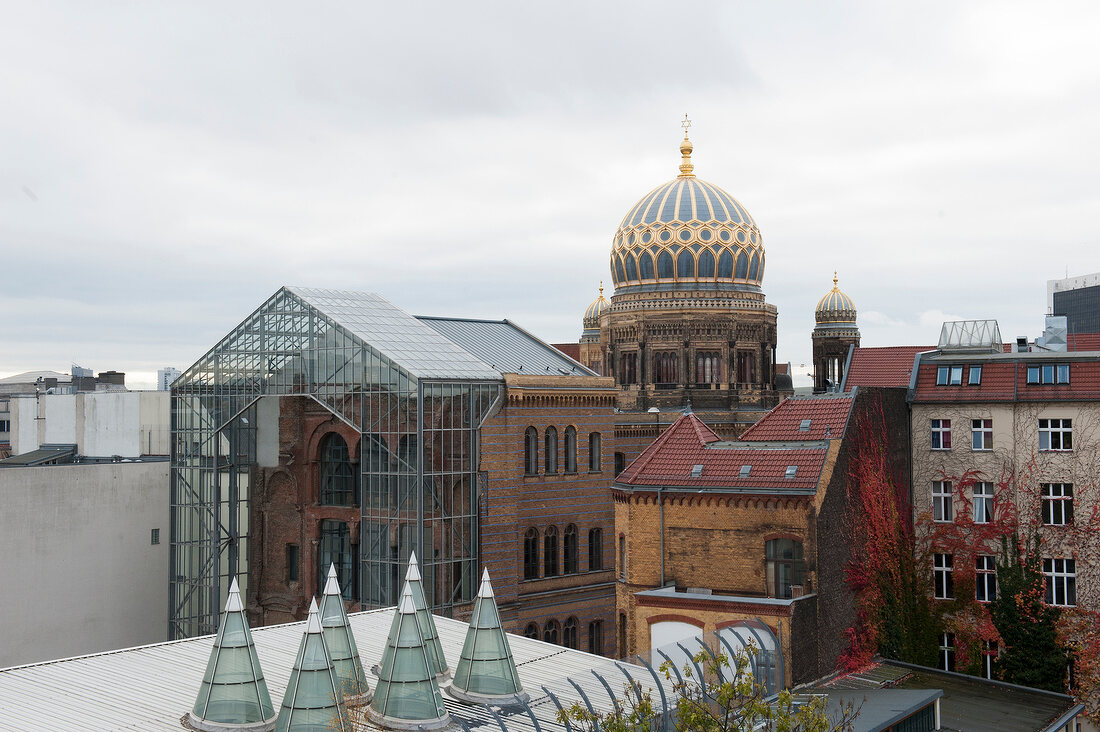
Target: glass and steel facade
[(417, 400)]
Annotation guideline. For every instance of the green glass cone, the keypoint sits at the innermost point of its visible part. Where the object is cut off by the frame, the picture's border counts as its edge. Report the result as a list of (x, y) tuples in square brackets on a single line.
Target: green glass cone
[(486, 670), (341, 643), (313, 700)]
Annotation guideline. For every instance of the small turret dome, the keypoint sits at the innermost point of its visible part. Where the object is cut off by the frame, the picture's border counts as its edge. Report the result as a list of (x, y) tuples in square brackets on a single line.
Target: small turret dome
[(592, 314), (835, 307)]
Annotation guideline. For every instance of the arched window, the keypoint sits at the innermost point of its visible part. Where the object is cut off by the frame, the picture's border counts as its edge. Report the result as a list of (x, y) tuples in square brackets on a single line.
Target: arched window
[(531, 554), (706, 264), (570, 449), (569, 633), (595, 637), (685, 264), (551, 631), (619, 269), (531, 631), (338, 480), (645, 266), (708, 367), (742, 266), (725, 264), (664, 266), (551, 456), (667, 367), (531, 451), (569, 547), (754, 268), (594, 452), (784, 561), (595, 549), (335, 548), (620, 462), (622, 557), (631, 268), (550, 551)]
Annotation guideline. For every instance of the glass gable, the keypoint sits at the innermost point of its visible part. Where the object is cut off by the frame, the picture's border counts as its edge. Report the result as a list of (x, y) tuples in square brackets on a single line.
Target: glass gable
[(417, 400)]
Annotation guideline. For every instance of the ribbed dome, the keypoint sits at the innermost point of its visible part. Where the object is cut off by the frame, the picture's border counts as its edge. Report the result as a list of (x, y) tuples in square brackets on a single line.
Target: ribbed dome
[(686, 234), (835, 307), (592, 314)]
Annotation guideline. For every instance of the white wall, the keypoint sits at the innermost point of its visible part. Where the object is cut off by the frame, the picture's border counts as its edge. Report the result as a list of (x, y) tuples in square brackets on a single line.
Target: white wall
[(60, 423), (100, 424), (24, 427), (76, 564)]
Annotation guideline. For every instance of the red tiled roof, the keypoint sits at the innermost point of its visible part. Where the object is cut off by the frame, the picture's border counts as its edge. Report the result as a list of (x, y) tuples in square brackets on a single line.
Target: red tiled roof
[(671, 457), (782, 423), (886, 366), (1006, 381), (573, 350), (782, 368)]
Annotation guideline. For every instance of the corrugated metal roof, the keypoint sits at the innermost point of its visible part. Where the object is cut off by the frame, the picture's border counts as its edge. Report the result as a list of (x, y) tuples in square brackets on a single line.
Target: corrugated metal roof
[(420, 350), (44, 455), (505, 346), (150, 687)]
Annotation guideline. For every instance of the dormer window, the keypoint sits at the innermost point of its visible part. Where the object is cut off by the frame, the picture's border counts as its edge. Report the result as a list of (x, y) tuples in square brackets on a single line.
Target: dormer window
[(792, 470), (949, 375), (1048, 373), (745, 470)]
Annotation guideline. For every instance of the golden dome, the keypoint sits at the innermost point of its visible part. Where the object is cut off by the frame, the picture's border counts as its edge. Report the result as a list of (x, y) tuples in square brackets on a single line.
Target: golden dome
[(687, 234), (835, 307), (592, 313)]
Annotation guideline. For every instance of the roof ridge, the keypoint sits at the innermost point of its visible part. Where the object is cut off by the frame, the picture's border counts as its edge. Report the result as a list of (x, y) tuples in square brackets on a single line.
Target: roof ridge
[(654, 447)]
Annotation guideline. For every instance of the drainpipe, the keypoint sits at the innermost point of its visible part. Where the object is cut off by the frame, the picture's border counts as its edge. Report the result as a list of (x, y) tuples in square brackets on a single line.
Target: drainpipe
[(661, 511)]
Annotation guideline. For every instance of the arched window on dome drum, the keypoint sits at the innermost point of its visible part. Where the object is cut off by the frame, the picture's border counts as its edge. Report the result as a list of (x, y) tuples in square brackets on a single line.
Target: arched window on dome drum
[(664, 266), (708, 367), (550, 552), (725, 265), (551, 450), (619, 270), (531, 451), (628, 373), (746, 368), (645, 265), (570, 449), (685, 264), (631, 268), (338, 475), (666, 365), (531, 554), (754, 268), (706, 264), (742, 266)]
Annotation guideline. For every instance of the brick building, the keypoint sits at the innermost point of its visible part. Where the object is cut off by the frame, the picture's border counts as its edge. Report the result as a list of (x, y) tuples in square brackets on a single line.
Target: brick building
[(713, 533), (333, 427)]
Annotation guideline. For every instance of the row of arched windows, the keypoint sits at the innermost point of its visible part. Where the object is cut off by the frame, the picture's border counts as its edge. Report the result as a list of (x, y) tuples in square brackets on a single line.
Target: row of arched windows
[(687, 265), (566, 635), (550, 554), (550, 450)]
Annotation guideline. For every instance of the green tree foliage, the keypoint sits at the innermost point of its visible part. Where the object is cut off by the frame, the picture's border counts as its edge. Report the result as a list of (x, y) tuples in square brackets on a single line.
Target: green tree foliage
[(1032, 655), (727, 699)]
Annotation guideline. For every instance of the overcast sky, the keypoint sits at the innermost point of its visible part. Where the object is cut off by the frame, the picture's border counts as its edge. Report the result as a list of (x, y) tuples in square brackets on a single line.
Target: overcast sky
[(166, 167)]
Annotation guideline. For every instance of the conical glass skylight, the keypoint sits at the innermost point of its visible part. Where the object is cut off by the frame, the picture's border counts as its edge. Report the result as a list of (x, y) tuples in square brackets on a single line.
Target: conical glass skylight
[(436, 659), (486, 671), (313, 700), (233, 691), (407, 694), (341, 643)]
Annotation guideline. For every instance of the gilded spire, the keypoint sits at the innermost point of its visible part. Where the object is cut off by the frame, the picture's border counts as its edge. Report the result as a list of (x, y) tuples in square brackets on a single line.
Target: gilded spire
[(601, 288), (834, 279), (685, 151)]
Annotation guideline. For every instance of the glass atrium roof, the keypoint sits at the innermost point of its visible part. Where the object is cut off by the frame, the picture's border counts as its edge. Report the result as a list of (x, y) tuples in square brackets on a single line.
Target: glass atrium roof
[(971, 335)]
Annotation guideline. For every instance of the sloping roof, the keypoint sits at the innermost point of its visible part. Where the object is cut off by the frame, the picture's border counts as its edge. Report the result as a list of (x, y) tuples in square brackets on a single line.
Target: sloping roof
[(419, 349), (44, 455), (506, 347), (1004, 379), (885, 366), (968, 703), (29, 377), (150, 687), (1083, 341), (828, 415), (672, 459)]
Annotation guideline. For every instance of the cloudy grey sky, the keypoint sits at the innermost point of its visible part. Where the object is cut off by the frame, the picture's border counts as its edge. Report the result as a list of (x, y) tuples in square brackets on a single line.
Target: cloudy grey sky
[(166, 167)]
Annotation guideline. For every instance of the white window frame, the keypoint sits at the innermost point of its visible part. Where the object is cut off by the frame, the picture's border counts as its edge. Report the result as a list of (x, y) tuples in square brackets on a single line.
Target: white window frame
[(1055, 435), (942, 502), (981, 434), (947, 651), (974, 375), (985, 578), (941, 434), (1056, 498), (943, 579), (983, 502), (1061, 576), (989, 655)]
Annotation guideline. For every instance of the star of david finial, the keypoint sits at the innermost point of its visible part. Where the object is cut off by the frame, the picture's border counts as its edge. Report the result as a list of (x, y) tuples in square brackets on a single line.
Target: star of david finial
[(685, 124)]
